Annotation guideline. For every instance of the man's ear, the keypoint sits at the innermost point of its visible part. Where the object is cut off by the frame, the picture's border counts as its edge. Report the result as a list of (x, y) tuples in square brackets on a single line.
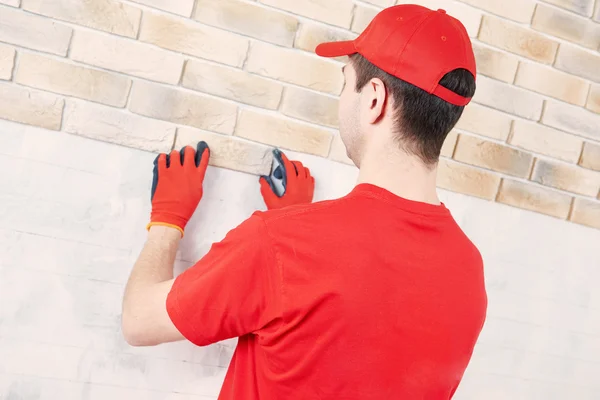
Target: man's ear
[(376, 95)]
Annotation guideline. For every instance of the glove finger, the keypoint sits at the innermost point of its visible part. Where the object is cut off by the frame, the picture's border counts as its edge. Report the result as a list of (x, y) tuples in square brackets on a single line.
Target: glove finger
[(202, 159), (266, 189), (187, 156), (174, 159), (290, 169), (183, 155), (200, 148), (312, 188), (160, 162), (299, 168), (267, 186), (306, 173)]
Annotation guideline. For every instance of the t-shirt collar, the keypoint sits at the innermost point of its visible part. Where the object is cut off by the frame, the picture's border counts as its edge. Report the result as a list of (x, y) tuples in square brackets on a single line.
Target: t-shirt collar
[(370, 190)]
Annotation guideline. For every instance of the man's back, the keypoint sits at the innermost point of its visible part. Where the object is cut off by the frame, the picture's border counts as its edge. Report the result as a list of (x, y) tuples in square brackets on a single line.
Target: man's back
[(366, 297), (381, 297)]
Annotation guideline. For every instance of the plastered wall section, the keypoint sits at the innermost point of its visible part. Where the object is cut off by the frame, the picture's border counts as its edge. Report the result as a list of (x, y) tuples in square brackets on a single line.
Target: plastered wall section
[(151, 74), (72, 220)]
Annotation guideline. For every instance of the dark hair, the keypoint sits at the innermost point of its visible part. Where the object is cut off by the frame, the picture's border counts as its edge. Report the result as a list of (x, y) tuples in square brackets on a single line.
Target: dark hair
[(422, 119)]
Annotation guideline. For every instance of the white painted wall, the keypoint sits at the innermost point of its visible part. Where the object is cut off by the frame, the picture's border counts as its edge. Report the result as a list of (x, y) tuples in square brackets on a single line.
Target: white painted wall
[(72, 218)]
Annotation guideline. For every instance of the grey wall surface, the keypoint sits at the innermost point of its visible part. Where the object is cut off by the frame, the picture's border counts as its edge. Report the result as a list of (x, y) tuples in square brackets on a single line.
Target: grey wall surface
[(72, 219)]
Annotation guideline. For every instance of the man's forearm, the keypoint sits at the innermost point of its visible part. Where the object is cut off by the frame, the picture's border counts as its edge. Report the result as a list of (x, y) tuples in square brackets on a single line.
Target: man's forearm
[(155, 262), (149, 284)]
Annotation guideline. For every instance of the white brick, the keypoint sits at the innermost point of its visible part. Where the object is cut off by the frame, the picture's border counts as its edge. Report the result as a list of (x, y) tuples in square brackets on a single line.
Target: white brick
[(572, 119), (61, 77), (229, 152), (485, 121), (106, 15), (7, 62), (116, 126), (30, 107), (567, 26), (381, 3), (517, 39), (232, 83), (363, 17), (508, 98), (534, 198), (469, 16), (590, 158), (593, 102), (544, 140), (334, 12), (578, 62), (181, 7), (182, 107), (33, 32), (586, 212), (566, 177), (449, 144), (311, 35), (495, 64), (565, 87), (494, 156), (295, 67), (310, 106), (194, 39), (248, 19), (517, 10), (282, 132), (583, 7), (462, 178), (126, 56)]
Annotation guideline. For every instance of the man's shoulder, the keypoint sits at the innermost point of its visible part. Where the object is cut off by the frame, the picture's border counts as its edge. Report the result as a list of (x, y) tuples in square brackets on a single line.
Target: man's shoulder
[(306, 220), (304, 212)]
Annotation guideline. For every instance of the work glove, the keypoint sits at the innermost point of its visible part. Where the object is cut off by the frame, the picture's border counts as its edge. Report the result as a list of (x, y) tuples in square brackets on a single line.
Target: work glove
[(177, 186), (297, 185)]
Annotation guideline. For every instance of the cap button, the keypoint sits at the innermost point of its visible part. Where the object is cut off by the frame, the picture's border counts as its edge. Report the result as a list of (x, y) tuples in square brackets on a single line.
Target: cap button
[(441, 11)]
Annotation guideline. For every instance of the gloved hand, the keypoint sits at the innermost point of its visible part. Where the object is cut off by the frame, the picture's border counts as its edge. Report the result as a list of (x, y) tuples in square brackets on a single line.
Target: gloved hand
[(177, 186), (298, 183)]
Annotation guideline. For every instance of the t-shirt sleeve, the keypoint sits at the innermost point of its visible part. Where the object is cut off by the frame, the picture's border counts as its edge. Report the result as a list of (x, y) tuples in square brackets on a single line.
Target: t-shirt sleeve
[(232, 291)]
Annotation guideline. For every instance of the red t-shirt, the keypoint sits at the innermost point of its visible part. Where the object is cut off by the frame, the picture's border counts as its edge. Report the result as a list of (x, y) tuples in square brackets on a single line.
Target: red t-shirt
[(370, 296)]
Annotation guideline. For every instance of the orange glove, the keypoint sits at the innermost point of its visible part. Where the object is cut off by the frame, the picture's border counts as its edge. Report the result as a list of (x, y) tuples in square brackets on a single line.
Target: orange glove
[(298, 184), (177, 186)]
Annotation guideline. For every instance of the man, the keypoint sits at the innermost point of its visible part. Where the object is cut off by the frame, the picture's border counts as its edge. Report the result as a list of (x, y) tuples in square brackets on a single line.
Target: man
[(377, 295)]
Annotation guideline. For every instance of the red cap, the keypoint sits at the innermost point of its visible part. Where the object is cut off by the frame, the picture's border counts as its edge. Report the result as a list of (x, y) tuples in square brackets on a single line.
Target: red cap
[(415, 44)]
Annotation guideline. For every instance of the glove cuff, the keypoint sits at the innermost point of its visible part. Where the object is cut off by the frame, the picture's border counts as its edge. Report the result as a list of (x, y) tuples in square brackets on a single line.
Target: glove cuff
[(151, 224), (168, 220)]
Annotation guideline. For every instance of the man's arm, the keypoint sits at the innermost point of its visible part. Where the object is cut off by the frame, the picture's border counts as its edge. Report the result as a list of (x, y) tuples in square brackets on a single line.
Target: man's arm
[(145, 320), (176, 192), (213, 300)]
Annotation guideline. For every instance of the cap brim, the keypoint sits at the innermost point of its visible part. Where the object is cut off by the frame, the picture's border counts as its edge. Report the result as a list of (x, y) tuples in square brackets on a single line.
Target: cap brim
[(336, 49)]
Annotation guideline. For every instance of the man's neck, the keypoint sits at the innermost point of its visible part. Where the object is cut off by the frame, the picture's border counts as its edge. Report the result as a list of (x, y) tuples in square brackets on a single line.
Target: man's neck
[(401, 174)]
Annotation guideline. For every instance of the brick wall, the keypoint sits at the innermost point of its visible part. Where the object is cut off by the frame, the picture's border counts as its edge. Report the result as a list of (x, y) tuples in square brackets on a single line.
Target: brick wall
[(152, 74)]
